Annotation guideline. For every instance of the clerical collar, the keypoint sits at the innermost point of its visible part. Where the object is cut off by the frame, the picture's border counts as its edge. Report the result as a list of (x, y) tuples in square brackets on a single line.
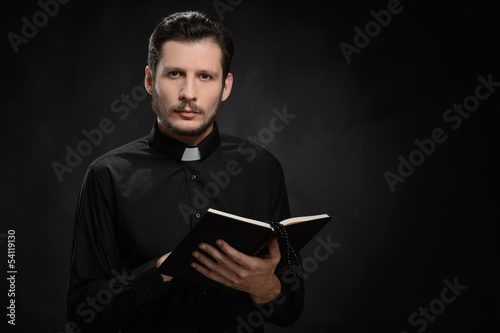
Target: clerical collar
[(177, 150), (191, 154)]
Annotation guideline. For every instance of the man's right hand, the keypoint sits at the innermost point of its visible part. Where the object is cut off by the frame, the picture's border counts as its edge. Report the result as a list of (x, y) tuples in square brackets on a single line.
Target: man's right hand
[(166, 278)]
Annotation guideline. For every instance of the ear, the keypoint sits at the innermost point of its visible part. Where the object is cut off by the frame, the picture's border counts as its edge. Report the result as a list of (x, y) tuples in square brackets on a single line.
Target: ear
[(228, 84), (148, 80)]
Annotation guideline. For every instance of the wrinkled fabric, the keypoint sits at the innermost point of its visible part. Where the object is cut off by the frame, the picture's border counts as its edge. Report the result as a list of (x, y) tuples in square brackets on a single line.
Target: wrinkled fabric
[(136, 203)]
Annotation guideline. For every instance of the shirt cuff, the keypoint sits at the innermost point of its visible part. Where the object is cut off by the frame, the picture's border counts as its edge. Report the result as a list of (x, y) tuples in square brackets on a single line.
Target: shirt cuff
[(148, 284), (285, 309)]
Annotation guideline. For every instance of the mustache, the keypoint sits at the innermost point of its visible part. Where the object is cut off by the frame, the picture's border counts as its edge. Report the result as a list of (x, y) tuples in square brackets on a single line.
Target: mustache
[(192, 105)]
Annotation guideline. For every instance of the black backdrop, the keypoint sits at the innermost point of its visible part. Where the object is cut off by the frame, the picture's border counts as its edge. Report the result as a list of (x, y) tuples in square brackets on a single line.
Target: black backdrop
[(394, 249)]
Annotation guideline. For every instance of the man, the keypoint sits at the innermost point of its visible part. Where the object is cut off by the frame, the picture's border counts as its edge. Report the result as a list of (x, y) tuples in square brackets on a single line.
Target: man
[(138, 201)]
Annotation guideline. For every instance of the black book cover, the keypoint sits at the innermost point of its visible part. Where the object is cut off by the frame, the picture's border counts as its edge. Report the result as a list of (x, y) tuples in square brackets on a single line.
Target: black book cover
[(245, 235)]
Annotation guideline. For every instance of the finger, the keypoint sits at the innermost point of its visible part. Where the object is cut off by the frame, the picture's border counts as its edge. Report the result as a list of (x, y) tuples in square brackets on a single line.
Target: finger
[(214, 271), (235, 255), (204, 260), (162, 259), (252, 264), (274, 250), (208, 273), (221, 257), (221, 265), (217, 278)]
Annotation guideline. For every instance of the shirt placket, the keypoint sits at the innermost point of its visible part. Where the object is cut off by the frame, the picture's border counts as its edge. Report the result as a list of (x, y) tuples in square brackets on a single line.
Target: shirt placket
[(199, 203), (194, 187)]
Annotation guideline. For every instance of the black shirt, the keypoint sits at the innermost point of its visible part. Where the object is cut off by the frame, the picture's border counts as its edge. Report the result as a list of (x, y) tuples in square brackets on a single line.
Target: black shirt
[(137, 202)]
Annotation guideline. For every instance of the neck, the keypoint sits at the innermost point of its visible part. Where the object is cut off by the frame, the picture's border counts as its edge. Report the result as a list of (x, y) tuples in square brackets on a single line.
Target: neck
[(189, 141)]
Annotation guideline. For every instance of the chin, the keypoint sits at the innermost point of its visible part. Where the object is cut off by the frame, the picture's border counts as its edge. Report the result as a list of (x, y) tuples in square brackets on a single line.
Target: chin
[(187, 125), (187, 129)]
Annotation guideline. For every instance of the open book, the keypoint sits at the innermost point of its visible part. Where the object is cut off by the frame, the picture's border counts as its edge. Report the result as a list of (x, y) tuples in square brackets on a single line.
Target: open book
[(245, 235)]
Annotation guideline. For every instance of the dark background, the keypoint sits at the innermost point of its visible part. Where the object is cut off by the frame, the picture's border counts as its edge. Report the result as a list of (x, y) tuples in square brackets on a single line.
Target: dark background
[(352, 122)]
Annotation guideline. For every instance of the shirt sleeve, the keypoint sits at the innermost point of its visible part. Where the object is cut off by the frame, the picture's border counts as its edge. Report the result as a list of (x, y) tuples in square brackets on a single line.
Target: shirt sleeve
[(288, 306), (102, 295)]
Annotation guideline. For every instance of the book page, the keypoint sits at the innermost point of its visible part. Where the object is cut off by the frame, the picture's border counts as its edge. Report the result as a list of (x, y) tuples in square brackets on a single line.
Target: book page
[(240, 218), (301, 219)]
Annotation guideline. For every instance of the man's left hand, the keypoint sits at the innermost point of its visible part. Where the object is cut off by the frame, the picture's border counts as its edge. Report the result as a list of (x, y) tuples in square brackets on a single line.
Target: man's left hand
[(251, 274)]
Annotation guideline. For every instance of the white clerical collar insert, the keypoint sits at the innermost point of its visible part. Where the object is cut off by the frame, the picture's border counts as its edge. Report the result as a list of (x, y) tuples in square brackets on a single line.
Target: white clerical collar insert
[(191, 154)]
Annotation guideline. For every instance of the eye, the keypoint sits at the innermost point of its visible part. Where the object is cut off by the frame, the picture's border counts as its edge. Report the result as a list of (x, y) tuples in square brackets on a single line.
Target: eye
[(174, 74), (205, 77)]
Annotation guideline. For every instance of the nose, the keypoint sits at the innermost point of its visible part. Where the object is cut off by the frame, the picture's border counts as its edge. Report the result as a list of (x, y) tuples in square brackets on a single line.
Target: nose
[(188, 90)]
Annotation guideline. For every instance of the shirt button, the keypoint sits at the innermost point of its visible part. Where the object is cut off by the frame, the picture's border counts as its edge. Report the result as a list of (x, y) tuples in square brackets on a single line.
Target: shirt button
[(198, 215), (204, 291), (193, 177), (154, 290)]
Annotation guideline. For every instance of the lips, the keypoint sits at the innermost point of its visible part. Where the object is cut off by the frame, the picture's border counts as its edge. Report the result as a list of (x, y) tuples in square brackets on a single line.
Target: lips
[(187, 113)]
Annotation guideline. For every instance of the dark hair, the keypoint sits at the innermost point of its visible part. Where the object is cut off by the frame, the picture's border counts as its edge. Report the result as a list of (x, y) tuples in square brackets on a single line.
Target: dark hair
[(190, 26)]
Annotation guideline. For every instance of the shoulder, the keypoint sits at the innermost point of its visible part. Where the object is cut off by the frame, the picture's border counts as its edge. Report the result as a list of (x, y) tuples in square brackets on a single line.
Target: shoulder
[(122, 154), (247, 151)]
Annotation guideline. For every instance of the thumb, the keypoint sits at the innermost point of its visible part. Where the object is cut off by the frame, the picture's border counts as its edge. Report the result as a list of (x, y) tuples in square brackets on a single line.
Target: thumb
[(274, 249)]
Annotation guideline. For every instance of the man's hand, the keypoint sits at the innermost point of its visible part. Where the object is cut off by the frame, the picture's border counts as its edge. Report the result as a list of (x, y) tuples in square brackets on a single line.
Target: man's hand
[(166, 278), (251, 274)]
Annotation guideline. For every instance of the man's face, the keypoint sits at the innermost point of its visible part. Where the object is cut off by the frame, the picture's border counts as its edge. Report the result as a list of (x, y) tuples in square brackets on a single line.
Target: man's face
[(188, 87)]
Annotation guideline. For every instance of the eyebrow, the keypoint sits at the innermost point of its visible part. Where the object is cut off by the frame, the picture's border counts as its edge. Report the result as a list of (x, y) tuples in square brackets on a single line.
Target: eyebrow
[(168, 69)]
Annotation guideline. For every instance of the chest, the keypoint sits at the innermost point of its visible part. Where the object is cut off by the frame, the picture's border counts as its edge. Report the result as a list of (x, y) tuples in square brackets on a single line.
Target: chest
[(157, 206)]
